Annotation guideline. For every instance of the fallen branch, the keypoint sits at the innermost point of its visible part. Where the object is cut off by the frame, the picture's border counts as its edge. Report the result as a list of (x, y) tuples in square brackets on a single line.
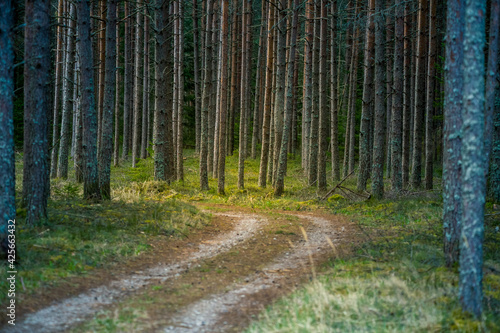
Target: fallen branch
[(336, 186)]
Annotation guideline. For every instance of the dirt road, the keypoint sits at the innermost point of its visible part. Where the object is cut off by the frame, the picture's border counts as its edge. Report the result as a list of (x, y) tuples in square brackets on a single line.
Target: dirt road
[(216, 280)]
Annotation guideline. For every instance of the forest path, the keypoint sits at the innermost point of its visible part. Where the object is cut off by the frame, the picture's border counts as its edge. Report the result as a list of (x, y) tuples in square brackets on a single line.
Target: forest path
[(215, 280)]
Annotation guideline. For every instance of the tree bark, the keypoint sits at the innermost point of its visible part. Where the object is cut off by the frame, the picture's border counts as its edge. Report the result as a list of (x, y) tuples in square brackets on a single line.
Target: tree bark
[(379, 135), (364, 135), (397, 100), (145, 90), (492, 107), (429, 109), (452, 172), (418, 121), (128, 81), (106, 147), (264, 154), (307, 85), (116, 146), (67, 96), (36, 107), (91, 189), (279, 98), (323, 105), (7, 158), (207, 85), (407, 104), (473, 160), (196, 68), (159, 129), (282, 164), (223, 97), (57, 90), (180, 95), (138, 107)]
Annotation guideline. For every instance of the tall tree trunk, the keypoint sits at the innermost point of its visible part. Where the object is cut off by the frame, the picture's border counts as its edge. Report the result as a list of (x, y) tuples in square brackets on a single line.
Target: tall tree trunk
[(223, 97), (180, 95), (429, 108), (138, 107), (57, 90), (169, 142), (307, 85), (473, 161), (379, 135), (259, 80), (418, 121), (264, 154), (397, 100), (89, 138), (145, 90), (452, 172), (333, 96), (279, 98), (128, 81), (245, 69), (106, 147), (7, 158), (205, 101), (364, 140), (116, 146), (407, 109), (67, 96), (161, 100), (313, 143), (389, 36), (492, 107), (78, 160), (234, 79), (323, 105), (101, 48), (36, 107), (282, 164), (196, 68)]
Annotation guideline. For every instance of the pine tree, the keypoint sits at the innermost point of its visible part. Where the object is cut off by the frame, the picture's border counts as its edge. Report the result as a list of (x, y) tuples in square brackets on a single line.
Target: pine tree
[(7, 159), (67, 95), (473, 160), (379, 134), (452, 173), (36, 107), (223, 97), (397, 100), (364, 141), (420, 96), (91, 189), (264, 154), (106, 147)]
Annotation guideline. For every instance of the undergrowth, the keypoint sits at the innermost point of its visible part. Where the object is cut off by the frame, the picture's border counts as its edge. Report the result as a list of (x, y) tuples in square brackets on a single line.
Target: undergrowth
[(394, 282), (79, 236)]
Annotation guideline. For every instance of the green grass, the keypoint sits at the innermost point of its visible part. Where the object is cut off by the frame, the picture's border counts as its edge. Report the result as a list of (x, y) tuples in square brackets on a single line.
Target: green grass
[(396, 282), (79, 236)]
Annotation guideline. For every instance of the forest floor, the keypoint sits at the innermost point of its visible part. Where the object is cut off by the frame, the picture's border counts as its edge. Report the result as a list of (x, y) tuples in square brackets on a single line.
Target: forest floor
[(170, 258)]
